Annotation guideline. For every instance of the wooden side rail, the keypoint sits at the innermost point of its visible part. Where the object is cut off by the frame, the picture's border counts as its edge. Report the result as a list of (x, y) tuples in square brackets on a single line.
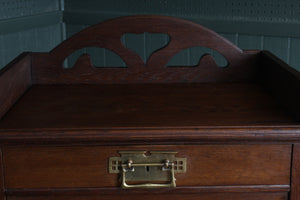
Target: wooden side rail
[(15, 79), (282, 81)]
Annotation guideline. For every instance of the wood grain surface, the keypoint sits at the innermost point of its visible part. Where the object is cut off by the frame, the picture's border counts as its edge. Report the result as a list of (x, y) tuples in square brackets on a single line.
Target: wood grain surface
[(163, 191), (145, 105), (207, 165), (211, 196), (15, 79), (2, 186), (295, 175)]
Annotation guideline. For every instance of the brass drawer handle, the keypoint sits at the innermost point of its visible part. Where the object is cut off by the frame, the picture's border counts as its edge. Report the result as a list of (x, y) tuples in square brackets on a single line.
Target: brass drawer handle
[(156, 166), (165, 166)]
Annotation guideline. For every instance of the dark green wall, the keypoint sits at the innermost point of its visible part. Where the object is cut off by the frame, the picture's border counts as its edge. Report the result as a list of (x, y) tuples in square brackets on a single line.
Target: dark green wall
[(29, 25), (257, 24)]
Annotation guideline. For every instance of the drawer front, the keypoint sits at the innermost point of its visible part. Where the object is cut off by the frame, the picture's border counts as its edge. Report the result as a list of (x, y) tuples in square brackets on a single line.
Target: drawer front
[(87, 166), (208, 196)]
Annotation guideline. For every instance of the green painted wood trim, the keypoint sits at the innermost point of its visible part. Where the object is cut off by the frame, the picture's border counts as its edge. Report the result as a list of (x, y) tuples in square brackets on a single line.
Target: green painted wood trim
[(29, 22), (218, 25)]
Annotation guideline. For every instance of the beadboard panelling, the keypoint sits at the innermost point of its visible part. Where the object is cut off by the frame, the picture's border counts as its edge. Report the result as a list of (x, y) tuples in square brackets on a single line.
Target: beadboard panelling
[(295, 53), (258, 17), (254, 10), (29, 25), (30, 22), (291, 28), (250, 42), (38, 39), (272, 25), (18, 8), (278, 46)]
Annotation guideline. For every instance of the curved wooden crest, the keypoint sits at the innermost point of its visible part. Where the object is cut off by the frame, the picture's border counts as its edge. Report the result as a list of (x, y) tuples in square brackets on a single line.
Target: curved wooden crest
[(183, 34)]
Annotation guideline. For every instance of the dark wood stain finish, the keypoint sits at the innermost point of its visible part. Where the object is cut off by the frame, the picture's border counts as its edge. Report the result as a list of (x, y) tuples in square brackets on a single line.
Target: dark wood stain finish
[(209, 196), (236, 125), (46, 167), (15, 79), (145, 105), (282, 81), (178, 190), (2, 192), (295, 182)]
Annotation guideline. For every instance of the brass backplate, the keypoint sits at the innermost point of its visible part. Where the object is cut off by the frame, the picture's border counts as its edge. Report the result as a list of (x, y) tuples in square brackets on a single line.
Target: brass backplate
[(147, 172)]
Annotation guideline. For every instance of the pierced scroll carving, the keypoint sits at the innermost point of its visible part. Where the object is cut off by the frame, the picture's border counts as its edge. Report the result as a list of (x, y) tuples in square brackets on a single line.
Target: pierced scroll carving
[(48, 68)]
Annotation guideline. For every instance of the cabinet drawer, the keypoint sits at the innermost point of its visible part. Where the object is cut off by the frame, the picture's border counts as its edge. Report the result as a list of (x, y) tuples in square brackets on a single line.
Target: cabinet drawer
[(87, 166), (205, 196)]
